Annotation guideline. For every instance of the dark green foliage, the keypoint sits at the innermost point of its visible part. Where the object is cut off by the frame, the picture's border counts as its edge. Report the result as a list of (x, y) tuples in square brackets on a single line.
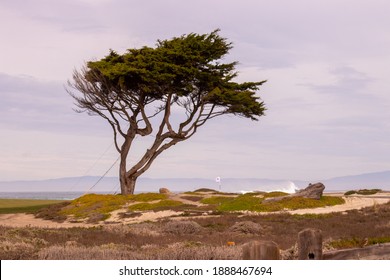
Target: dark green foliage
[(206, 190), (350, 192), (186, 66), (363, 192)]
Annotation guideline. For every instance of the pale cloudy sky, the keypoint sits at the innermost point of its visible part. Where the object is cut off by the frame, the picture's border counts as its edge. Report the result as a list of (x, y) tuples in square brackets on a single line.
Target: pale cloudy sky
[(327, 64)]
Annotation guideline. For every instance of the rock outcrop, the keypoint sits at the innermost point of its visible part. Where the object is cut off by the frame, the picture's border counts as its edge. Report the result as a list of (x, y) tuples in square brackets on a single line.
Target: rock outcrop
[(313, 191)]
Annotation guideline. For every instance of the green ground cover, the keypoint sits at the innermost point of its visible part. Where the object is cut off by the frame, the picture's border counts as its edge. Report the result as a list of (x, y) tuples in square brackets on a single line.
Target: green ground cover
[(9, 206)]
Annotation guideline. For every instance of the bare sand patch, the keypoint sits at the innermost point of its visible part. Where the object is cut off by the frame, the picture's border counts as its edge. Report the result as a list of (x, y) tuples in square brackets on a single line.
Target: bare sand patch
[(25, 220)]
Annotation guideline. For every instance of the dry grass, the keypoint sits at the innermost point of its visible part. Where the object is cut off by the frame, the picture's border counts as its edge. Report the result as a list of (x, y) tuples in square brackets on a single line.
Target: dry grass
[(176, 251)]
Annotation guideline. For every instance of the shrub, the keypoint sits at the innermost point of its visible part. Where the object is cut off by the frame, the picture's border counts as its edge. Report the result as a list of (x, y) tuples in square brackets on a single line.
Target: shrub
[(364, 192), (350, 193), (368, 192), (182, 227), (52, 212), (16, 250), (378, 240), (346, 243), (206, 190), (247, 227)]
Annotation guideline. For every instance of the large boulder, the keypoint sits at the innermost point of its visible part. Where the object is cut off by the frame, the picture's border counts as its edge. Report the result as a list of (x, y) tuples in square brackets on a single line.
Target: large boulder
[(164, 190), (313, 191)]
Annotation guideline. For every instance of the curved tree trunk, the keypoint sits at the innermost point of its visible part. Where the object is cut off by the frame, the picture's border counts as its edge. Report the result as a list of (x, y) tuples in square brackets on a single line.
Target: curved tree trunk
[(127, 182)]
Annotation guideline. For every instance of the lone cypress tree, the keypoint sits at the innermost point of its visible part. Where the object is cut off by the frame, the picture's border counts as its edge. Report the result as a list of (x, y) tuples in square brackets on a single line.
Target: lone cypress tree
[(129, 90)]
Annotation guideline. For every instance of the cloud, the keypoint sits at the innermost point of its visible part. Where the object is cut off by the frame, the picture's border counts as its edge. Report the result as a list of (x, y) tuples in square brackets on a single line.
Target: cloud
[(347, 82), (29, 104), (327, 90)]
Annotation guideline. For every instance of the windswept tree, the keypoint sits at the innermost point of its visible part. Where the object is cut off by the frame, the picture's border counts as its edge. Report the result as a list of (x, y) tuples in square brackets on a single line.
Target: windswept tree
[(138, 89)]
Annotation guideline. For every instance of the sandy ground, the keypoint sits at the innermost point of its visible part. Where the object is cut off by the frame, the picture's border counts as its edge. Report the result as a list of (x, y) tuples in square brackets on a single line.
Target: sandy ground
[(23, 220), (351, 202)]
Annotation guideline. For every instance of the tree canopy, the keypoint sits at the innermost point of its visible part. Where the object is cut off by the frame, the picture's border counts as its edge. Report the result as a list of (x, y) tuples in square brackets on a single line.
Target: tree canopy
[(129, 90)]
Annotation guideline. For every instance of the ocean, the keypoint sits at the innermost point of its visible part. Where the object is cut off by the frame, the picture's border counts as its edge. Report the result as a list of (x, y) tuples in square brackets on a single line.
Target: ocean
[(42, 195)]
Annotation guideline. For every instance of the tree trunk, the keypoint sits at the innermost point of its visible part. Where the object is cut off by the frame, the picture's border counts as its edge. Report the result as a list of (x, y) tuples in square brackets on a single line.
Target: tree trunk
[(128, 186), (127, 182)]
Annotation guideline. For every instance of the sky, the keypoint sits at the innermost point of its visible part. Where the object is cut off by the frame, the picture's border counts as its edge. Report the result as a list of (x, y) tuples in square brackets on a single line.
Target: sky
[(326, 63)]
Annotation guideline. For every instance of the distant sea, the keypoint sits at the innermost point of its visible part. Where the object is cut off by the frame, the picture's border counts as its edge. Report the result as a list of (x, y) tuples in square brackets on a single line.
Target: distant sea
[(42, 195)]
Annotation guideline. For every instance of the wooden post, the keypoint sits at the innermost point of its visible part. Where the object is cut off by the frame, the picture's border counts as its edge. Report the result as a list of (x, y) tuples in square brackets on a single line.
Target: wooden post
[(261, 250), (310, 244)]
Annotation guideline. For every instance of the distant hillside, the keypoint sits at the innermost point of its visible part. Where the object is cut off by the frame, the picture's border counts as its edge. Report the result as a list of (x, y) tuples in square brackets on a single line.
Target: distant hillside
[(60, 184), (111, 184), (380, 180)]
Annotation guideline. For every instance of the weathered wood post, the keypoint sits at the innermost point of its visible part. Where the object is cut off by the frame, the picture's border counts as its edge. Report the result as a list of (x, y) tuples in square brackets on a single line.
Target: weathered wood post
[(261, 250), (310, 244)]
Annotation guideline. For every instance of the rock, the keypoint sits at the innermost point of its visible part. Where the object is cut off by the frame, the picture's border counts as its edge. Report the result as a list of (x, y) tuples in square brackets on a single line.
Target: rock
[(164, 190), (313, 191)]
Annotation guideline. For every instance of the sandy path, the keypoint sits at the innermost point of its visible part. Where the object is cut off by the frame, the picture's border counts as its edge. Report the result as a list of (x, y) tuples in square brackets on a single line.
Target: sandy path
[(352, 202), (25, 220)]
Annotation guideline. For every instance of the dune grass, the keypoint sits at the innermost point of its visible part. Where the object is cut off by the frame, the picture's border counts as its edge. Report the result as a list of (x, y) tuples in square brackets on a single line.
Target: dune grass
[(99, 206), (92, 204), (251, 202)]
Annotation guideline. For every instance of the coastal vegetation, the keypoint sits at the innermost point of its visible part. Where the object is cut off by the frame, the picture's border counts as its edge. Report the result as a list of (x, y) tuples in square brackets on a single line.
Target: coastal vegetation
[(205, 226), (195, 237), (363, 192), (8, 206), (99, 207)]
